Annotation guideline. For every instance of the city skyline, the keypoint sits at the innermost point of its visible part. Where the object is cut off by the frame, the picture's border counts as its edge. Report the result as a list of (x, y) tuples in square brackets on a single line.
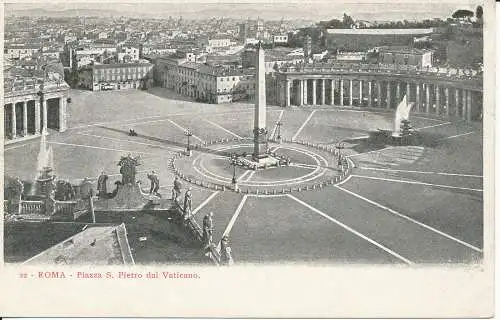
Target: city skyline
[(316, 10)]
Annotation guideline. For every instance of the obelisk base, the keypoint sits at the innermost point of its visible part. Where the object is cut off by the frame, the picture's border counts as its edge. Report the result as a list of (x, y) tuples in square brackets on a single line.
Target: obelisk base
[(260, 144)]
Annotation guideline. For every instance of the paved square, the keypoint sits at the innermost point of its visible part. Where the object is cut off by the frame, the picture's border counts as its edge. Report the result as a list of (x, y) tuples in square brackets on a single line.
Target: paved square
[(400, 204)]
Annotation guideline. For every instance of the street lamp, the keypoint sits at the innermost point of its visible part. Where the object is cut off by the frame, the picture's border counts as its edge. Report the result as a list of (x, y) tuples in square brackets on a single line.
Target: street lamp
[(278, 125), (339, 146), (188, 134), (233, 161)]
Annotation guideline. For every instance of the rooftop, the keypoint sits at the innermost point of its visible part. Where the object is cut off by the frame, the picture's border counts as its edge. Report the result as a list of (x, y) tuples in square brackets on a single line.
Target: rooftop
[(103, 245), (121, 65), (404, 50)]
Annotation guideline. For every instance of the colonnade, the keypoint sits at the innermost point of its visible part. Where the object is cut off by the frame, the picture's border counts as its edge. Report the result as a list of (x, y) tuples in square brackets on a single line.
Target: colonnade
[(25, 116), (427, 97)]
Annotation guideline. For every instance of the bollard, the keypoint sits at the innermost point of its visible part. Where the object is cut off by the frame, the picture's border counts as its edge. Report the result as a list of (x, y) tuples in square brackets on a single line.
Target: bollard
[(314, 187), (274, 191), (257, 191), (265, 191), (223, 188), (283, 191)]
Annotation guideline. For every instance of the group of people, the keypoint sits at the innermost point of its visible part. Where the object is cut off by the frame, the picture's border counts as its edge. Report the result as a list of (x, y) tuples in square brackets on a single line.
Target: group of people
[(103, 179)]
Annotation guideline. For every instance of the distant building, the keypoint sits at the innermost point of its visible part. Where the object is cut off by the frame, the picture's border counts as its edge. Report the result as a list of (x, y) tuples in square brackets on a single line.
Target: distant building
[(280, 39), (319, 56), (100, 77), (212, 84), (16, 52), (406, 56), (364, 39), (274, 58), (127, 54), (351, 56)]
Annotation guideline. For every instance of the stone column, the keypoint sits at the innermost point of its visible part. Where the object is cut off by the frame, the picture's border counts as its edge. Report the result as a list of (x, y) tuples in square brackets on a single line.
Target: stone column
[(379, 94), (417, 97), (469, 105), (341, 92), (314, 91), (25, 118), (287, 93), (464, 104), (14, 122), (369, 93), (62, 114), (360, 92), (44, 115), (398, 91), (37, 116), (388, 106), (438, 103), (447, 101), (427, 99), (350, 92), (457, 93), (332, 92), (408, 92), (300, 91), (323, 91), (305, 92)]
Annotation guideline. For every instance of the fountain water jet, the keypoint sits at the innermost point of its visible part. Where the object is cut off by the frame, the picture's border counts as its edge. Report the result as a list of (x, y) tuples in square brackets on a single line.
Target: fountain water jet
[(402, 113), (45, 166)]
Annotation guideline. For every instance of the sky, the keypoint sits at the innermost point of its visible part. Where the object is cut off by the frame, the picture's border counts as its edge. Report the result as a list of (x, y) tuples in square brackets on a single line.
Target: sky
[(269, 10)]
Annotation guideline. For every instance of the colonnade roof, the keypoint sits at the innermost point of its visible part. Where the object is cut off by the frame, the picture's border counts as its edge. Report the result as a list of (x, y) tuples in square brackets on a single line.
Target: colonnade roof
[(466, 76)]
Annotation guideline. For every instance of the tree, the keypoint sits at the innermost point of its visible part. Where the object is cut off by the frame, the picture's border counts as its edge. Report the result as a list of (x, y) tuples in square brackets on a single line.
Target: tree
[(479, 12), (462, 14), (347, 21)]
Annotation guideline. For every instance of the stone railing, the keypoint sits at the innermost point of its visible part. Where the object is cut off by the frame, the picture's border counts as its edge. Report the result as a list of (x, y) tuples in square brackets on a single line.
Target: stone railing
[(345, 169), (197, 232), (385, 68), (32, 207), (71, 209)]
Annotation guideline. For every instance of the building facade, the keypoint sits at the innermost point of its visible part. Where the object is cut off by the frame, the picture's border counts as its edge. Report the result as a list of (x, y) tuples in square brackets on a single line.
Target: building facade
[(203, 82), (116, 76), (406, 56), (448, 93)]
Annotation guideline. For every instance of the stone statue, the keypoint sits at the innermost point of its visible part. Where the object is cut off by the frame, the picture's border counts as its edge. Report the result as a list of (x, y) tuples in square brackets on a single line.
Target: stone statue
[(176, 191), (17, 189), (128, 166), (155, 183), (188, 200), (51, 187), (208, 228), (225, 252), (102, 189), (86, 190), (50, 204)]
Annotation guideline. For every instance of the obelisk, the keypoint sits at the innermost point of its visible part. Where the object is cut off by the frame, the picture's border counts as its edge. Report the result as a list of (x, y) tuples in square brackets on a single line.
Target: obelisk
[(259, 131)]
